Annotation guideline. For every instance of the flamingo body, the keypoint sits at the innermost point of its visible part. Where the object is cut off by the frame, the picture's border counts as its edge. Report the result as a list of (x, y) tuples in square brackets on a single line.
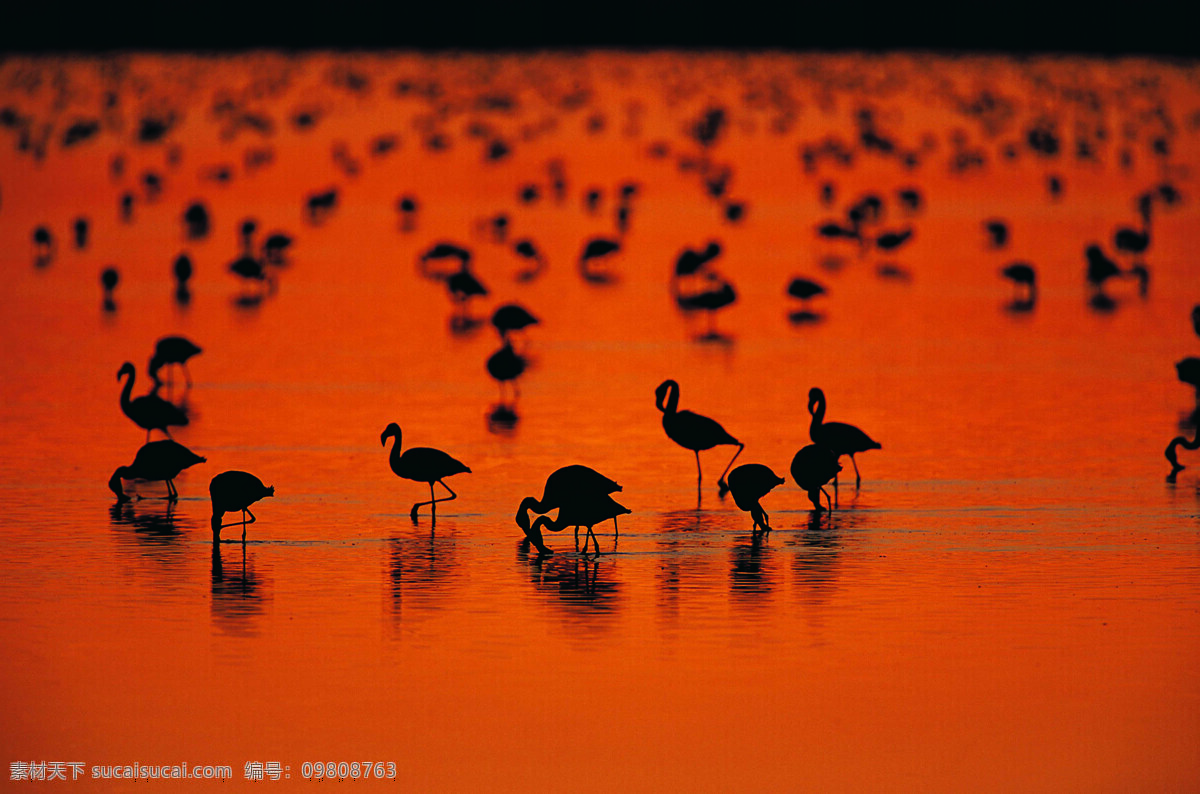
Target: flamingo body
[(421, 464), (234, 491), (155, 461)]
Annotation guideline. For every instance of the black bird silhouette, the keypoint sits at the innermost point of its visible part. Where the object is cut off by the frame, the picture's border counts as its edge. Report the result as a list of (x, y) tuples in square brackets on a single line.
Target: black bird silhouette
[(1100, 269), (149, 411), (172, 350), (233, 491), (156, 460), (576, 511), (1176, 466), (1023, 276), (890, 241), (837, 437), (505, 365), (108, 280), (441, 252), (812, 467), (320, 206), (43, 246), (749, 483), (597, 250), (407, 206), (1196, 319), (693, 431), (1188, 370), (691, 261), (275, 247), (512, 317), (1132, 241), (997, 231), (422, 464), (80, 228), (526, 249), (717, 295), (196, 221), (463, 286), (570, 484), (183, 272)]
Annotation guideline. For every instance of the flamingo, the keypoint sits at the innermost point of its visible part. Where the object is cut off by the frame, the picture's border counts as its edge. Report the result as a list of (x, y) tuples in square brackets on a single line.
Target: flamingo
[(275, 246), (749, 483), (172, 350), (232, 491), (569, 484), (505, 365), (148, 411), (711, 299), (585, 511), (804, 289), (108, 281), (439, 252), (512, 317), (1022, 273), (596, 249), (837, 437), (890, 241), (690, 261), (81, 233), (157, 460), (693, 431), (997, 233), (525, 249), (422, 464), (1176, 466), (812, 467)]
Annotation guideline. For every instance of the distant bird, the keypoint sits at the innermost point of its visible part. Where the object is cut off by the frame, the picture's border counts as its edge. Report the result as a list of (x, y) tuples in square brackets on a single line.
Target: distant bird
[(512, 317), (108, 281), (80, 227), (529, 252), (749, 483), (837, 437), (440, 252), (833, 231), (196, 221), (597, 250), (693, 431), (717, 296), (1024, 276), (463, 285), (568, 484), (250, 268), (910, 198), (997, 231), (890, 241), (43, 246), (233, 491), (804, 289), (319, 206), (577, 511), (275, 247), (812, 467), (505, 365), (149, 411), (1132, 241), (172, 350), (156, 460), (1099, 268), (1188, 371), (691, 261), (407, 206), (126, 207), (422, 464), (182, 270)]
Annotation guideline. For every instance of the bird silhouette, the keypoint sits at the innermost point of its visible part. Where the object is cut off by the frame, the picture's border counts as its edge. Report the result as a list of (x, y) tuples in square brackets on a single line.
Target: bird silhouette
[(595, 251), (407, 206), (837, 437), (577, 511), (567, 485), (149, 411), (749, 483), (196, 221), (997, 232), (1188, 371), (109, 277), (172, 350), (275, 247), (234, 491), (1023, 277), (505, 365), (1179, 441), (528, 251), (422, 464), (511, 317), (463, 286), (717, 294), (812, 467), (804, 289), (43, 246), (693, 431), (441, 252), (182, 269), (80, 227), (691, 261), (157, 460), (890, 241)]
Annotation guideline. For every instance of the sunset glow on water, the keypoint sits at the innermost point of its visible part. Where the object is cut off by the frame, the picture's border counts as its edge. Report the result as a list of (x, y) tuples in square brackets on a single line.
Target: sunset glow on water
[(1010, 601)]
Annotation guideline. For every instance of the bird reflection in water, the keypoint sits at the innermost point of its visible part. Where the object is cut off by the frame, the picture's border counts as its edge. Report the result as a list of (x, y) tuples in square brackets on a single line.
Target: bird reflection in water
[(575, 583), (152, 527), (237, 592), (815, 561), (420, 572), (805, 290), (751, 574)]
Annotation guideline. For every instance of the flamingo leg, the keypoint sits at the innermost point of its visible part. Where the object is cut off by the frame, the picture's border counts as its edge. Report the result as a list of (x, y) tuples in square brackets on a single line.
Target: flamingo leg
[(699, 476), (172, 494), (616, 530), (432, 500), (187, 375), (857, 476), (722, 486)]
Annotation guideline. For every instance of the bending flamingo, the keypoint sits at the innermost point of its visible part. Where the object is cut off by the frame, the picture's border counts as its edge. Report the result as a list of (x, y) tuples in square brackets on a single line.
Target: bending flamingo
[(158, 460), (234, 491), (580, 511), (568, 484)]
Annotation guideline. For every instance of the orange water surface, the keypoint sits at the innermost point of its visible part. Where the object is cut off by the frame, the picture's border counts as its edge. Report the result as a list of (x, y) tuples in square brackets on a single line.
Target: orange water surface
[(1009, 602)]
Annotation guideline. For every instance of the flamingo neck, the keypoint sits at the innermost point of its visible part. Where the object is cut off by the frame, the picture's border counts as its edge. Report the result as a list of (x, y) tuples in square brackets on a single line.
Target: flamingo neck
[(818, 417), (671, 404), (394, 456), (127, 390)]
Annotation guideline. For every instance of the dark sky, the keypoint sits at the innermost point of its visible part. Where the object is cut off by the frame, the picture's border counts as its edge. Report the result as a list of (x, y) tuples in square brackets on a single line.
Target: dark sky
[(1099, 28)]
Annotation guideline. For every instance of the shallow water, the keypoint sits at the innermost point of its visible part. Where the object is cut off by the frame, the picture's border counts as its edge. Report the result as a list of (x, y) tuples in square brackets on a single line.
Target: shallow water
[(1010, 601)]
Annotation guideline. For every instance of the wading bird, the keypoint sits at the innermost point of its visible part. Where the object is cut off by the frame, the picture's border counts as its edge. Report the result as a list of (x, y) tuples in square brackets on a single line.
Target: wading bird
[(837, 437), (172, 350), (812, 467), (233, 491), (749, 483), (422, 464), (693, 431), (579, 511), (149, 411), (575, 483), (157, 460)]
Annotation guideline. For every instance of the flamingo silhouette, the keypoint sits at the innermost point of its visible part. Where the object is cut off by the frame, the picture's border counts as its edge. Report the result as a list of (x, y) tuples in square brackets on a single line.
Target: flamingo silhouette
[(585, 511), (172, 350), (574, 483), (233, 491), (157, 460), (512, 317), (693, 431), (717, 296), (148, 411), (1179, 441), (526, 249), (422, 464), (1022, 274), (506, 366), (837, 437), (812, 467), (108, 281), (749, 483), (596, 250)]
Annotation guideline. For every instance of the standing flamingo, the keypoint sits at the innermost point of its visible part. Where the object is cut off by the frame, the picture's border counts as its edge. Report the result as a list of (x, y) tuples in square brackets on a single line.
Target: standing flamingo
[(749, 483), (422, 464), (837, 437), (172, 350), (812, 467), (148, 411), (693, 431), (233, 491)]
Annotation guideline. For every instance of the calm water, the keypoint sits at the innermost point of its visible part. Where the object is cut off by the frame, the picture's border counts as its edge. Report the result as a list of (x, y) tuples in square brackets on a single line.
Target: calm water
[(1011, 600)]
